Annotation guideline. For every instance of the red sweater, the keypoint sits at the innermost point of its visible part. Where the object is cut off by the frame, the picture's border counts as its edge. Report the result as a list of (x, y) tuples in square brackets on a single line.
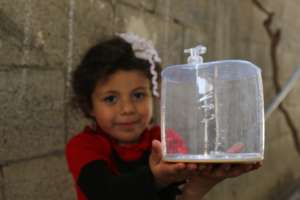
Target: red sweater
[(93, 145)]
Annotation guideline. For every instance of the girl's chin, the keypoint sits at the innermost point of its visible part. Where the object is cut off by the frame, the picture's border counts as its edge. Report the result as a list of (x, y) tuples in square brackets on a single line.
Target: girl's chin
[(129, 140), (128, 135)]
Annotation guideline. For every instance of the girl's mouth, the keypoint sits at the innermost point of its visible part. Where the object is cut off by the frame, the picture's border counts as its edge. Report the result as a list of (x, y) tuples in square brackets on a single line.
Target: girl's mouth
[(128, 124)]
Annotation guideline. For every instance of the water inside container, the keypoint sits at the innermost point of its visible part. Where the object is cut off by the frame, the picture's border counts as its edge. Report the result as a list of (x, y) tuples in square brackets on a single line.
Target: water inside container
[(215, 158)]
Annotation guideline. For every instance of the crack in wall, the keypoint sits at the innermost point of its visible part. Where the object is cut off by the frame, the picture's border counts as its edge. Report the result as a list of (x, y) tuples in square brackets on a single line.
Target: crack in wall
[(275, 37)]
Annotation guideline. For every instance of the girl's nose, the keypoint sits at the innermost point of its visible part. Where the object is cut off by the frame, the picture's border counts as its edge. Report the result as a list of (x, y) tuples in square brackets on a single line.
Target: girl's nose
[(127, 107)]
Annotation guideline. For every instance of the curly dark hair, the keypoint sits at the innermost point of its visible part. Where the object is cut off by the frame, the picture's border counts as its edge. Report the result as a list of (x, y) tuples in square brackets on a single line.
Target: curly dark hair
[(98, 64)]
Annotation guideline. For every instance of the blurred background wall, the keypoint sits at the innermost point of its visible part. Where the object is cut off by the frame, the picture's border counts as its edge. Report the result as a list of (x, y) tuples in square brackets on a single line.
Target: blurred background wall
[(42, 41)]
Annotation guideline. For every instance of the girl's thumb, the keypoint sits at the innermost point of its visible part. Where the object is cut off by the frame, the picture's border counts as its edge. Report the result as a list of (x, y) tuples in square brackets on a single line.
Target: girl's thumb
[(156, 153)]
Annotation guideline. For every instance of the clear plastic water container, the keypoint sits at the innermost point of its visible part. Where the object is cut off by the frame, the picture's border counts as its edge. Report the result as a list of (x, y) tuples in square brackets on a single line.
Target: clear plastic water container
[(212, 112)]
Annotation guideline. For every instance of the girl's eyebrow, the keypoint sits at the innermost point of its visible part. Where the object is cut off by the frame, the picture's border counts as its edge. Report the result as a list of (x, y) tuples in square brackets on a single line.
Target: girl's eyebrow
[(140, 88), (109, 92), (105, 93), (115, 92)]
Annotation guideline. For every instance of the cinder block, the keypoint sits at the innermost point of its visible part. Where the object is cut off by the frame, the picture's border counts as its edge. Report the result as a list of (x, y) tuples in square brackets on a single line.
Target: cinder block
[(237, 22), (75, 122), (47, 178), (142, 4), (189, 12), (39, 38), (288, 63), (88, 22), (289, 40), (32, 112), (289, 15), (166, 36), (92, 20), (249, 22), (259, 54), (276, 127), (11, 36)]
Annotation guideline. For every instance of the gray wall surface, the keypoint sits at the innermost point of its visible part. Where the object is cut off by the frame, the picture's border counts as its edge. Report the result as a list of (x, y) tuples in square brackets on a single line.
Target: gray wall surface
[(42, 41)]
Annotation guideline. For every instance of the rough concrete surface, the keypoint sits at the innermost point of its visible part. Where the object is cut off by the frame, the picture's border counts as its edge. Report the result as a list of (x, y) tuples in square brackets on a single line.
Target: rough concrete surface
[(41, 42)]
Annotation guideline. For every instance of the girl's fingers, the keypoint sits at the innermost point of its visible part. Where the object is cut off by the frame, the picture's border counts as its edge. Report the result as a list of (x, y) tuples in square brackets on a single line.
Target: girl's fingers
[(239, 169), (192, 166), (207, 170), (173, 169), (179, 167), (181, 171), (257, 165), (156, 154), (178, 172), (225, 167), (226, 170), (202, 167)]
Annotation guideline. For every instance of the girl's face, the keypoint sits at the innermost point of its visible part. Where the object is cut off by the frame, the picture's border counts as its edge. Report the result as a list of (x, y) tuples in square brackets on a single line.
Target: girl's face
[(122, 105)]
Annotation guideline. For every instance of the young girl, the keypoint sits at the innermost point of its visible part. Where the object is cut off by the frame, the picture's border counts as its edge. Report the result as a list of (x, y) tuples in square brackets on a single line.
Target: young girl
[(119, 154)]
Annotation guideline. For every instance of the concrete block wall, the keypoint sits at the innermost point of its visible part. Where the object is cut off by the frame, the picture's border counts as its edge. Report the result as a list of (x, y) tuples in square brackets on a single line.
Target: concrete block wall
[(42, 41)]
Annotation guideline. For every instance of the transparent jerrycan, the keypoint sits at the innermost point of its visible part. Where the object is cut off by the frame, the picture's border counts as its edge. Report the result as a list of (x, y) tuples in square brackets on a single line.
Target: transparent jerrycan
[(212, 112)]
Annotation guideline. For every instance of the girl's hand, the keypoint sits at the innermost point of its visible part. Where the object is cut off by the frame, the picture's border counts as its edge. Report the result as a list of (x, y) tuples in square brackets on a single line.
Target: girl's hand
[(222, 171), (166, 173), (217, 172), (210, 175), (227, 170)]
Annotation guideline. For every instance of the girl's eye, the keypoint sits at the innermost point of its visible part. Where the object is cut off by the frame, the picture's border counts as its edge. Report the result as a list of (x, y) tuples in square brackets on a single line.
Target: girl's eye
[(139, 95), (110, 99)]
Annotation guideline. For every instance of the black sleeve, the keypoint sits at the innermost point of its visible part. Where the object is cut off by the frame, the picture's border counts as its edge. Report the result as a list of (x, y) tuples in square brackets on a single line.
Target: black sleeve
[(97, 183)]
